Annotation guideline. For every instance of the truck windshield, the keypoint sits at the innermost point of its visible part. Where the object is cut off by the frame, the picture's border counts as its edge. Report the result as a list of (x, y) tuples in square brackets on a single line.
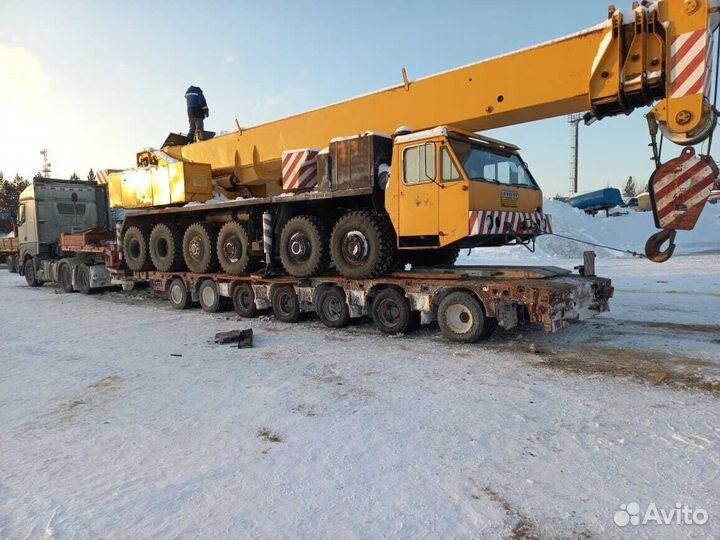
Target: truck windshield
[(482, 163)]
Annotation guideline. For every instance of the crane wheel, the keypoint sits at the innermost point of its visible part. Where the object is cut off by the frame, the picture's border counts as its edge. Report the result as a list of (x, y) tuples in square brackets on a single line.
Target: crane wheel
[(243, 297), (210, 299), (233, 248), (31, 273), (446, 257), (177, 294), (304, 246), (391, 312), (166, 248), (65, 278), (461, 318), (135, 249), (285, 304), (362, 245), (200, 248), (332, 308)]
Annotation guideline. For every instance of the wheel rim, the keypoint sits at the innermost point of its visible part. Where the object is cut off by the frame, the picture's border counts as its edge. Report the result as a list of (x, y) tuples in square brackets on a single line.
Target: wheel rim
[(332, 308), (196, 248), (232, 250), (245, 299), (134, 248), (176, 293), (285, 303), (299, 247), (208, 295), (355, 247), (459, 318), (163, 248), (388, 312)]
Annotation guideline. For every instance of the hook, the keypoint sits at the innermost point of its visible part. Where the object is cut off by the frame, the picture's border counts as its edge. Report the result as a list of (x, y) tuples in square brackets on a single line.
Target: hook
[(656, 241)]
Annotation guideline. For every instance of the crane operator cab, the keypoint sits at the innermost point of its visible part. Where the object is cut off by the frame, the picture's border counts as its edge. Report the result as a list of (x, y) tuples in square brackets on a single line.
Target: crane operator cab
[(461, 189)]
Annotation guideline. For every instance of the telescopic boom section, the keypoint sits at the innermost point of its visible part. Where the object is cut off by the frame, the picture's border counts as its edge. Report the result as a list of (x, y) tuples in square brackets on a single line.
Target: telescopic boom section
[(656, 51)]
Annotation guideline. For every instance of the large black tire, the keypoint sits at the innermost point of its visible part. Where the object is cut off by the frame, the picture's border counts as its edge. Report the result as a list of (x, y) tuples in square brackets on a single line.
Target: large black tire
[(243, 298), (285, 304), (304, 249), (445, 257), (461, 318), (12, 264), (200, 248), (166, 247), (84, 280), (135, 249), (391, 312), (233, 248), (362, 245), (65, 278), (332, 308), (30, 274), (177, 294)]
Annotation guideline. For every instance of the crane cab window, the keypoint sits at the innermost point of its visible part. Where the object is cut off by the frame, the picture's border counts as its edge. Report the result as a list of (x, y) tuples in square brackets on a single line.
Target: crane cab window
[(486, 164), (449, 170), (419, 164)]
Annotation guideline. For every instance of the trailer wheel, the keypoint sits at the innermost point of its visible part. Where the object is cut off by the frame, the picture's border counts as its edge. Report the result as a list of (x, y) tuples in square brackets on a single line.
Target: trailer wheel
[(363, 245), (285, 304), (31, 274), (200, 248), (210, 299), (135, 249), (461, 318), (233, 248), (12, 264), (166, 248), (65, 278), (391, 312), (244, 300), (304, 246), (332, 308), (177, 294), (84, 280)]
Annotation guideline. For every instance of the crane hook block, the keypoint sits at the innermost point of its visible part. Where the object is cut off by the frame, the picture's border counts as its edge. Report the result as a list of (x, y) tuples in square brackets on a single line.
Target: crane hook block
[(653, 247)]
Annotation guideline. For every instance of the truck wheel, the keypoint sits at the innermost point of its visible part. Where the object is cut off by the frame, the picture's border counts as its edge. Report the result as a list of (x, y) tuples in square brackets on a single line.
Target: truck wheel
[(461, 317), (285, 304), (84, 280), (244, 300), (199, 248), (166, 248), (363, 245), (135, 249), (177, 294), (209, 296), (332, 308), (433, 257), (233, 248), (65, 278), (30, 274), (304, 246), (391, 312)]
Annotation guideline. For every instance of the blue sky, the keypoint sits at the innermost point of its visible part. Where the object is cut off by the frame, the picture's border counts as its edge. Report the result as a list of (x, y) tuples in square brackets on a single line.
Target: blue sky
[(96, 81)]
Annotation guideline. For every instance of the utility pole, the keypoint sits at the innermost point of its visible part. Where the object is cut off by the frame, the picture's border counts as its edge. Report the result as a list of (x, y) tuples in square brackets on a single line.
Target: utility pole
[(46, 163), (574, 121)]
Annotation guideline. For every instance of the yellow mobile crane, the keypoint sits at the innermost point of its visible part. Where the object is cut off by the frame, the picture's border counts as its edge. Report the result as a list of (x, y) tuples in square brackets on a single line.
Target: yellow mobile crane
[(309, 196)]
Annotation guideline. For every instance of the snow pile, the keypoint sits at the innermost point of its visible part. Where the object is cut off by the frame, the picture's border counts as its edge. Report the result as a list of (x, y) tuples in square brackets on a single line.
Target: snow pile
[(11, 234), (629, 232)]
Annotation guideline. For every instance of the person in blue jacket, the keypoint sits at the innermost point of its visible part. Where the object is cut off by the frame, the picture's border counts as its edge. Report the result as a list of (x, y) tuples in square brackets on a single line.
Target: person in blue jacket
[(197, 112)]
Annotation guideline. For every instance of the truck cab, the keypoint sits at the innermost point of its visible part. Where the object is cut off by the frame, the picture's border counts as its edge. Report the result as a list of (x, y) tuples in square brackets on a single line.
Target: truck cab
[(47, 209), (449, 187)]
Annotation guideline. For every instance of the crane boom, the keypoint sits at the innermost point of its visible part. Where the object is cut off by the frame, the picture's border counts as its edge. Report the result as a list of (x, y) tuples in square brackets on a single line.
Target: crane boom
[(623, 63)]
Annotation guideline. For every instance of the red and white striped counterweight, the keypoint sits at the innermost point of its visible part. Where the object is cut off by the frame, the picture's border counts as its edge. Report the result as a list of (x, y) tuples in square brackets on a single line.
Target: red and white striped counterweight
[(299, 169)]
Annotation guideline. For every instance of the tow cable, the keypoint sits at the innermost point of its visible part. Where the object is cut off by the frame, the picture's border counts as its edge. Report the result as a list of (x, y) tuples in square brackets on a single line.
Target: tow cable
[(628, 251)]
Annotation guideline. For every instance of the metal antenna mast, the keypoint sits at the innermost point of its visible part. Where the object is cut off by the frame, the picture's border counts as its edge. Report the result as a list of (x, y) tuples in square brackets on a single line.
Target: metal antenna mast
[(46, 163), (574, 121)]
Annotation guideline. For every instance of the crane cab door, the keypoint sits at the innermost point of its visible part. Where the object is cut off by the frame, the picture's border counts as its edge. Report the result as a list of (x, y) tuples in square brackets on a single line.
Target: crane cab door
[(418, 206)]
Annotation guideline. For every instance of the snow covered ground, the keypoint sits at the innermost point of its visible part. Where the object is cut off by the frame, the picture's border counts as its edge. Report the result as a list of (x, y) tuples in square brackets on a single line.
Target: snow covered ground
[(120, 419)]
